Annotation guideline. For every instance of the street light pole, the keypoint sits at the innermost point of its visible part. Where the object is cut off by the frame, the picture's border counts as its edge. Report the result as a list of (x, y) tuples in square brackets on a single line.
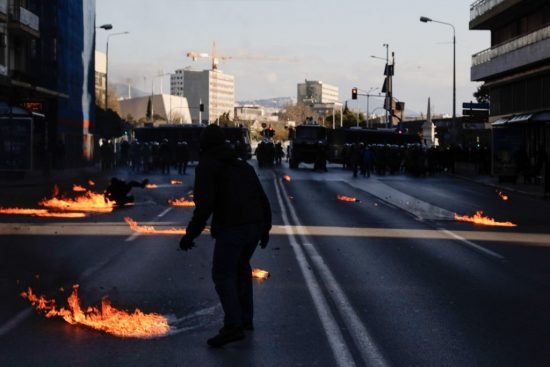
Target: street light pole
[(107, 67), (426, 20)]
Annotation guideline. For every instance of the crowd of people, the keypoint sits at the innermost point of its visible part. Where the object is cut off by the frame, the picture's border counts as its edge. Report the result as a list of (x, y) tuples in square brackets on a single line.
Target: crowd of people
[(269, 154), (146, 156)]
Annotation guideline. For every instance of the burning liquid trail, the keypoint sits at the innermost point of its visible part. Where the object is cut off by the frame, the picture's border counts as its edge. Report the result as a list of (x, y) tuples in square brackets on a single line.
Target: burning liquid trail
[(78, 188), (181, 202), (347, 199), (503, 196), (91, 183), (151, 186), (89, 202), (260, 274), (287, 178), (44, 213), (176, 182), (478, 218), (107, 318), (150, 229)]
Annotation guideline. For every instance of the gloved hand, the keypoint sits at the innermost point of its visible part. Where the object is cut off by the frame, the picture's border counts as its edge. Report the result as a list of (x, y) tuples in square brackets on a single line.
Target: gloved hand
[(264, 240), (186, 243)]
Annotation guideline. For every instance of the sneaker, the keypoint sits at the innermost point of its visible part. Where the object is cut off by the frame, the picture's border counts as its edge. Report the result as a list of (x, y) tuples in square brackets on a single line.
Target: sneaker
[(226, 335)]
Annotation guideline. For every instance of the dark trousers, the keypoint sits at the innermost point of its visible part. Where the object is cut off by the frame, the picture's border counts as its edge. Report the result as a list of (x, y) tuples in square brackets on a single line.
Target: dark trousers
[(232, 274)]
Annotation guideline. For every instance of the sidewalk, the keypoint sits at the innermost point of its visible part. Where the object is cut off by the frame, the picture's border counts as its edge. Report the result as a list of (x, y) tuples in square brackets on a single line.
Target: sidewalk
[(525, 189), (37, 178)]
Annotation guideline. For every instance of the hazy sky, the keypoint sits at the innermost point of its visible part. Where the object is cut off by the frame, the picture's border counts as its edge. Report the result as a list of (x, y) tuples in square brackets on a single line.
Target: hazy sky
[(328, 40)]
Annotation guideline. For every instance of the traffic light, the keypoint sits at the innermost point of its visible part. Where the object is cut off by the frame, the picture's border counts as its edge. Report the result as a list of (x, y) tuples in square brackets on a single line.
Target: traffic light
[(201, 107), (353, 93)]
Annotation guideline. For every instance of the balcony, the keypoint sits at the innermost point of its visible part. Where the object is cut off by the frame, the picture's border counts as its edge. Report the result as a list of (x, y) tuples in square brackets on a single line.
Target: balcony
[(25, 21), (514, 54), (483, 11), (3, 10)]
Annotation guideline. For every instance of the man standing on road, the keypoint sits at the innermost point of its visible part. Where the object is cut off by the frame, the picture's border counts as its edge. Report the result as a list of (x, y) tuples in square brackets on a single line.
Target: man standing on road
[(228, 188)]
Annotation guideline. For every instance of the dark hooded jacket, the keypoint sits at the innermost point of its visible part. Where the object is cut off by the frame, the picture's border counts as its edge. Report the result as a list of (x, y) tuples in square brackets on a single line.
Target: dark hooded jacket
[(228, 189)]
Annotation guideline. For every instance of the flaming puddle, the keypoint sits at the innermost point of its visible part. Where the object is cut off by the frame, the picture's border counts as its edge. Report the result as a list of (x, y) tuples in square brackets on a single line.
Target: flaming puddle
[(260, 274), (478, 218), (503, 196), (62, 207), (181, 202), (151, 186), (150, 229), (43, 213), (176, 182), (106, 318), (347, 199), (287, 178)]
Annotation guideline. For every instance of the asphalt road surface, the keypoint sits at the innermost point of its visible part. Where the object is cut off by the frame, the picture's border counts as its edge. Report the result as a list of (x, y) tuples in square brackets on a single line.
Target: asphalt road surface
[(390, 280)]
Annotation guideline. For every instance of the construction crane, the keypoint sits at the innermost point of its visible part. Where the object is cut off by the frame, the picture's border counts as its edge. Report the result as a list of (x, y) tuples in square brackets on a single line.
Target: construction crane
[(216, 58)]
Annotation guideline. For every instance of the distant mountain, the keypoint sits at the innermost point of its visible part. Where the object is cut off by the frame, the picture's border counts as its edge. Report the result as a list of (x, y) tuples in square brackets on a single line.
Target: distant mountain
[(278, 102), (122, 91)]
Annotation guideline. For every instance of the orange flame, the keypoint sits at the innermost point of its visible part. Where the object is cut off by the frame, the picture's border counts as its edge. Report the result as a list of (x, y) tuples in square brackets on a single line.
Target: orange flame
[(55, 191), (89, 202), (176, 182), (78, 188), (151, 186), (91, 183), (478, 218), (503, 196), (40, 213), (287, 178), (181, 202), (107, 318), (150, 229), (347, 199), (260, 274)]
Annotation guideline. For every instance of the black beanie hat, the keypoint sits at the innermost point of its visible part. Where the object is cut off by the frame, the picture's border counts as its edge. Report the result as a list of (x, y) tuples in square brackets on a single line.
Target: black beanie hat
[(212, 136)]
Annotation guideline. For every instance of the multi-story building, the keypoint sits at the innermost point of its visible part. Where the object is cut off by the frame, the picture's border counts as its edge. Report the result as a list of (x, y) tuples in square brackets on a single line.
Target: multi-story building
[(516, 70), (168, 109), (100, 77), (316, 92), (213, 89), (47, 66), (249, 113), (176, 83)]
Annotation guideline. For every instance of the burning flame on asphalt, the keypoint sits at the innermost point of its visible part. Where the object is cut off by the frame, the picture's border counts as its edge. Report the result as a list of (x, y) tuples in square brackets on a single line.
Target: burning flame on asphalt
[(287, 178), (347, 199), (107, 318), (150, 229), (91, 183), (176, 182), (181, 202), (478, 218), (503, 196), (44, 213), (151, 186), (78, 188), (260, 274), (89, 202)]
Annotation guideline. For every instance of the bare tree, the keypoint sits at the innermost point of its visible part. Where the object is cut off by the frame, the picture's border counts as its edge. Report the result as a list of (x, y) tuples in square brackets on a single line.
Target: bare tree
[(297, 112)]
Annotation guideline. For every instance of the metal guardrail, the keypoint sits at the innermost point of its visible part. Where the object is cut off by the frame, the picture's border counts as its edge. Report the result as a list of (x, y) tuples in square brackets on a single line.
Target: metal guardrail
[(515, 44), (481, 7)]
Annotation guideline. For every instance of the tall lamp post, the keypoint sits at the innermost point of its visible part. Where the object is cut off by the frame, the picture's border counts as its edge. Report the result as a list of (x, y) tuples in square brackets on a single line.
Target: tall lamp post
[(107, 65), (426, 20)]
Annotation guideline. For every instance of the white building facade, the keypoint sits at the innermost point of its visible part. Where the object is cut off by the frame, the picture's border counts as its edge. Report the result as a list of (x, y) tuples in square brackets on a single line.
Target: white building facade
[(173, 109), (100, 77), (214, 89), (176, 83), (316, 92)]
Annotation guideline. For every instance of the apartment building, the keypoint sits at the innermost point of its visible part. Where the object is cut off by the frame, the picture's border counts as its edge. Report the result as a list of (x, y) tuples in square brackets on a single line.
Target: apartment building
[(516, 70)]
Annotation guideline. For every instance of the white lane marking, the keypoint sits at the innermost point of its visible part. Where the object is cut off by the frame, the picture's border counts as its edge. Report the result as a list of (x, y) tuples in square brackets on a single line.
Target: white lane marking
[(14, 321), (132, 237), (164, 212), (340, 350), (471, 244), (365, 342)]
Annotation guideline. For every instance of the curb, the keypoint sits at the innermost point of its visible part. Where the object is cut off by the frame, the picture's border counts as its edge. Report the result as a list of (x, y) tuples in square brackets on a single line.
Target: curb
[(497, 186)]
